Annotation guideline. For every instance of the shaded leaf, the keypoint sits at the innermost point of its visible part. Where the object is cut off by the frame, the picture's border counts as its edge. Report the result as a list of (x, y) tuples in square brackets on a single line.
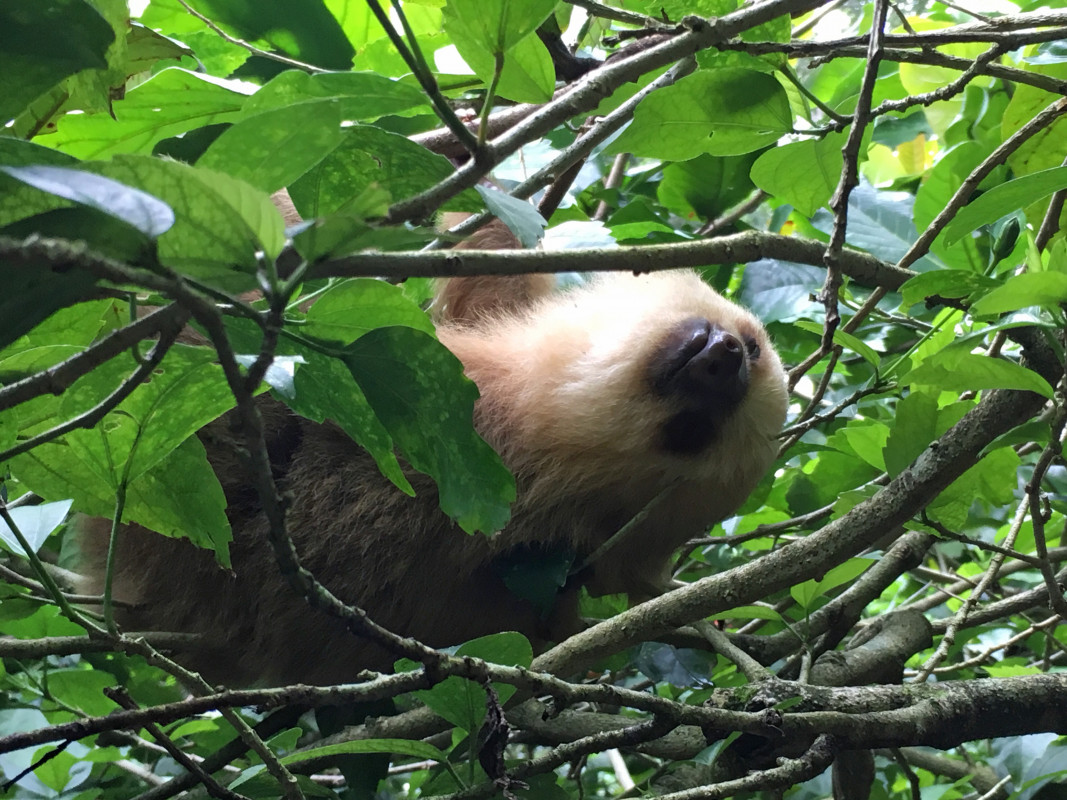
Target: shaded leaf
[(43, 43), (146, 213)]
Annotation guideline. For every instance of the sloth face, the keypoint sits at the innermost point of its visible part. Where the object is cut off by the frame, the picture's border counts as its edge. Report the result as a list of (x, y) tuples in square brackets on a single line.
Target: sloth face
[(628, 381), (704, 368)]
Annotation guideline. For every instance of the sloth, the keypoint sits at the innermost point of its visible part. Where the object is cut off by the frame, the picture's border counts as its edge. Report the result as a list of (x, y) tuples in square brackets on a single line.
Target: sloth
[(599, 399)]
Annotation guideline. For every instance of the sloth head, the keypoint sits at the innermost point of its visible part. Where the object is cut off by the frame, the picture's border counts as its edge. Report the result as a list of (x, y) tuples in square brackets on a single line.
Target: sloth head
[(627, 381)]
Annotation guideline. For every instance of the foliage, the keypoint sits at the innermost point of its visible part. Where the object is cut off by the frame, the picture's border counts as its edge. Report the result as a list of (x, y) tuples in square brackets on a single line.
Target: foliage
[(883, 185)]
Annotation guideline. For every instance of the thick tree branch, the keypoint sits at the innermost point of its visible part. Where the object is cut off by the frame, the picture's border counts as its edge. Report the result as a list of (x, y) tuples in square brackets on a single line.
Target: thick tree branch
[(863, 268)]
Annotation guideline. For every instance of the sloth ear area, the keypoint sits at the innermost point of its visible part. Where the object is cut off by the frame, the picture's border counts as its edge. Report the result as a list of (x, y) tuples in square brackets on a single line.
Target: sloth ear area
[(470, 300)]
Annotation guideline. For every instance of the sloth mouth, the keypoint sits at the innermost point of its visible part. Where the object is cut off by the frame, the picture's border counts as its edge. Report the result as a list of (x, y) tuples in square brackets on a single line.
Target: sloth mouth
[(704, 364)]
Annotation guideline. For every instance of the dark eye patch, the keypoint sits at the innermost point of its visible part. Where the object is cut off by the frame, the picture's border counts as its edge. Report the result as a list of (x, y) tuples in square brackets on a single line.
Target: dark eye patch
[(752, 348)]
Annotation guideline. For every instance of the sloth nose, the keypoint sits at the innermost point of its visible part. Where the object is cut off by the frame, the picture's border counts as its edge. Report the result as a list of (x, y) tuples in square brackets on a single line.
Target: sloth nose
[(703, 361), (723, 356), (718, 371)]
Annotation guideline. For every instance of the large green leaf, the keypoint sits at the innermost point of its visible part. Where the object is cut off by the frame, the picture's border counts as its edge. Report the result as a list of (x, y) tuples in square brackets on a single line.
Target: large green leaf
[(914, 427), (944, 282), (148, 214), (528, 75), (1022, 291), (462, 701), (148, 113), (402, 747), (803, 174), (65, 333), (957, 370), (179, 497), (722, 111), (1003, 200), (272, 149), (220, 224), (35, 289), (43, 43), (497, 26), (303, 29), (368, 160), (354, 307), (363, 96), (417, 389), (993, 479), (184, 393), (323, 387)]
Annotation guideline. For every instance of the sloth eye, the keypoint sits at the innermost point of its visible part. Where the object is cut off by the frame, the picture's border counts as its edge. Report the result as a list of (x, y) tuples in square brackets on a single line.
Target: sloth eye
[(752, 348)]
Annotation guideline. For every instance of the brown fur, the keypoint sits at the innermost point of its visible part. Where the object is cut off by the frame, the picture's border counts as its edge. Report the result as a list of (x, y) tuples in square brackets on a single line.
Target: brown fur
[(566, 399)]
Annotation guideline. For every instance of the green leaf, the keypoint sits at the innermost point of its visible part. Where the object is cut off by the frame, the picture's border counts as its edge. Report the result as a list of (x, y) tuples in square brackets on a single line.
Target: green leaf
[(147, 114), (100, 232), (65, 333), (528, 75), (705, 186), (914, 427), (462, 701), (957, 370), (751, 612), (35, 523), (146, 49), (410, 379), (497, 27), (148, 214), (803, 174), (944, 282), (363, 96), (848, 340), (303, 29), (369, 159), (83, 689), (520, 216), (1004, 199), (184, 393), (43, 43), (179, 497), (343, 234), (351, 308), (866, 439), (993, 479), (1022, 291), (18, 153), (55, 772), (324, 389), (401, 747), (935, 192), (272, 149), (220, 222), (806, 593), (723, 112)]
